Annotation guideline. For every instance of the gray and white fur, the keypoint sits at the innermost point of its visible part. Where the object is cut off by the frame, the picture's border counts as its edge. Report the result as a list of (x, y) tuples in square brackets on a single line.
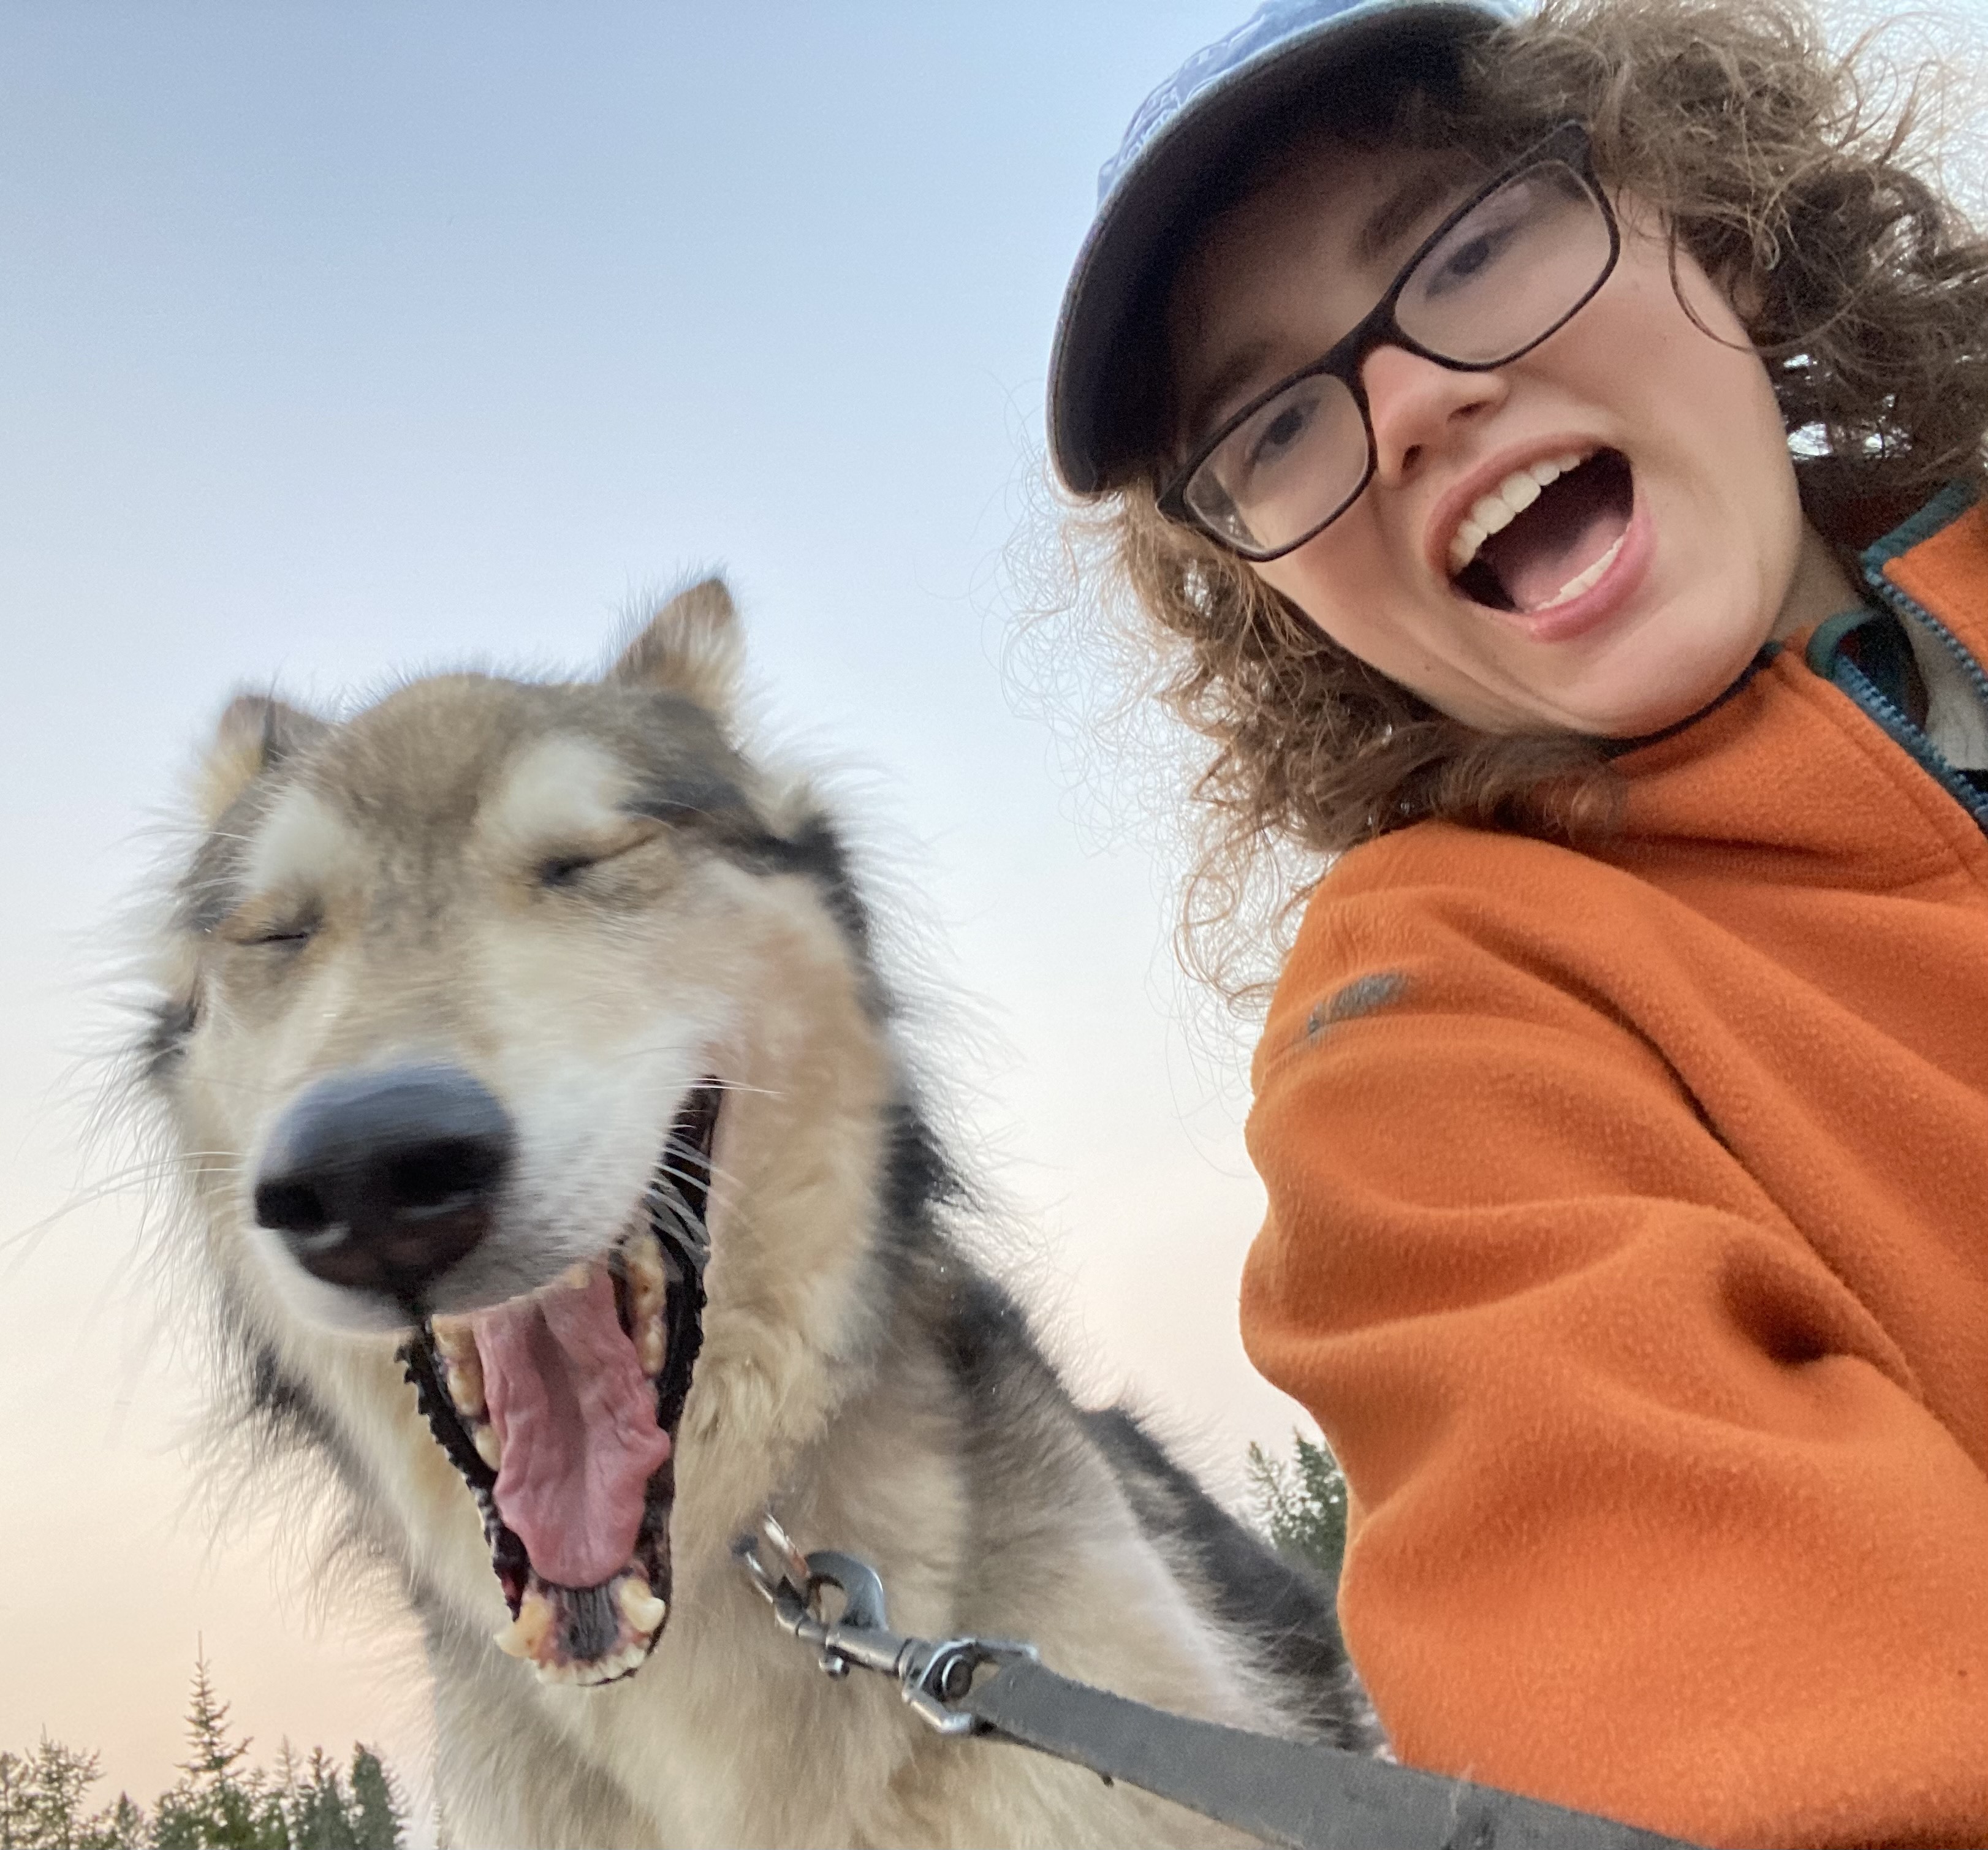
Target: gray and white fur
[(587, 897)]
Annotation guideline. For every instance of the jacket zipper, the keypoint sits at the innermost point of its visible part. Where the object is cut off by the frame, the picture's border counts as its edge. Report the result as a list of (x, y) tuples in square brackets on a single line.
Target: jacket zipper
[(1914, 738)]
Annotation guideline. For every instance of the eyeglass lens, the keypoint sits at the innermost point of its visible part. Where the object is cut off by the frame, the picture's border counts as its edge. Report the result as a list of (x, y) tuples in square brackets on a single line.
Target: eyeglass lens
[(1496, 282)]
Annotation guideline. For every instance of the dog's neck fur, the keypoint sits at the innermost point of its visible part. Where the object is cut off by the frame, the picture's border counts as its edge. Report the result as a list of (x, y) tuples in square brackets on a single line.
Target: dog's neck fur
[(846, 1394)]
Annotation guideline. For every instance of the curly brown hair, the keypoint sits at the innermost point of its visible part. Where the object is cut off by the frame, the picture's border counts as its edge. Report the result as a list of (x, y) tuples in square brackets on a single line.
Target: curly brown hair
[(1793, 176)]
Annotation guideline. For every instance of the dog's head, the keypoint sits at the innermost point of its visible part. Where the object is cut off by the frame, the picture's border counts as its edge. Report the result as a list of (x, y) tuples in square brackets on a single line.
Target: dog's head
[(468, 1000)]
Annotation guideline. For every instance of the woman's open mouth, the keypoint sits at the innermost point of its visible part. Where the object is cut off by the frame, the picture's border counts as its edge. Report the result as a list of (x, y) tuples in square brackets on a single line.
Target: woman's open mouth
[(560, 1408), (1547, 534)]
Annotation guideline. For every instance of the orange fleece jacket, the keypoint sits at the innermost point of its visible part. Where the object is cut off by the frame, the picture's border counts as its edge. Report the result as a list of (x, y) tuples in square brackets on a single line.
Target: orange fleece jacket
[(1628, 1239)]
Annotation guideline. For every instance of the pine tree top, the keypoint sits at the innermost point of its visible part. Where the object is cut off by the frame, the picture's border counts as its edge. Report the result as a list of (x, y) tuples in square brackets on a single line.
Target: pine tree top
[(207, 1726)]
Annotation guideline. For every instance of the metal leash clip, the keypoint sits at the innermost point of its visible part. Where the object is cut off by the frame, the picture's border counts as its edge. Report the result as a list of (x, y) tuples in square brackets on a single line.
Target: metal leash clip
[(1302, 1794), (931, 1675)]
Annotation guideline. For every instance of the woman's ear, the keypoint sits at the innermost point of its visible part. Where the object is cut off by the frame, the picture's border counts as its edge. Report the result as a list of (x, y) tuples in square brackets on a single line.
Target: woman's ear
[(1744, 285)]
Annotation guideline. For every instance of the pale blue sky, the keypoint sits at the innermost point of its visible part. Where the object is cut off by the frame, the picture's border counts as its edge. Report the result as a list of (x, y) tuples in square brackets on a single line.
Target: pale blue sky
[(339, 339)]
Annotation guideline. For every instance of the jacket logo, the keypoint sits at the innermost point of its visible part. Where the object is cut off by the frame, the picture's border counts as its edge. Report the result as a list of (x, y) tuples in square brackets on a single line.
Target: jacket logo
[(1361, 996)]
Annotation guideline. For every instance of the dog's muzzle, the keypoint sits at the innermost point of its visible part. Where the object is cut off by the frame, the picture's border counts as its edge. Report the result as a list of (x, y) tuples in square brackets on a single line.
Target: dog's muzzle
[(379, 1181), (560, 1406)]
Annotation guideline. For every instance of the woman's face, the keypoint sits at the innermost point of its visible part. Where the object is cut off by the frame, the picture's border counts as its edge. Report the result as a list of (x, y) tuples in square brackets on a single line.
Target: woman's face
[(1642, 579)]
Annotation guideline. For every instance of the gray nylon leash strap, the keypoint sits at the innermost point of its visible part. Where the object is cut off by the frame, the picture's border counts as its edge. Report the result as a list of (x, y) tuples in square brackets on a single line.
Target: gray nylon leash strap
[(1292, 1793), (1299, 1794)]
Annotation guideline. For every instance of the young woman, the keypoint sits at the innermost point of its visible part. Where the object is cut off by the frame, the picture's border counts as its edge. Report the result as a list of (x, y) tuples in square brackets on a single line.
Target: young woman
[(1548, 448)]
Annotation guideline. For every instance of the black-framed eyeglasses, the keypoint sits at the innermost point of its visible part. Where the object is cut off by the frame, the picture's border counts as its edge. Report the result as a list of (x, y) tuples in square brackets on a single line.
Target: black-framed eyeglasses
[(1513, 264)]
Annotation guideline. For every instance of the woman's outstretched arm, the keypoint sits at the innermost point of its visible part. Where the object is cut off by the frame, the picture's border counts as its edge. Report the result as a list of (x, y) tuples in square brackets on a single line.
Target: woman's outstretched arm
[(1651, 1515)]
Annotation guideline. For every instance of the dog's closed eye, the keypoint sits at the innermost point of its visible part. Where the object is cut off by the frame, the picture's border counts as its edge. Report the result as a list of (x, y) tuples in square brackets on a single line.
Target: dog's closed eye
[(563, 869), (281, 931)]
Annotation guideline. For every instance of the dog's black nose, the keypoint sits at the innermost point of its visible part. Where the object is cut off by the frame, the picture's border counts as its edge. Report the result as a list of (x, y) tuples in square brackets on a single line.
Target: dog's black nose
[(381, 1181)]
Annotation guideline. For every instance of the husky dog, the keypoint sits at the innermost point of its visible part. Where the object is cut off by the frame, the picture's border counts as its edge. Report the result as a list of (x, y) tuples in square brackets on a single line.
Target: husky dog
[(560, 1188)]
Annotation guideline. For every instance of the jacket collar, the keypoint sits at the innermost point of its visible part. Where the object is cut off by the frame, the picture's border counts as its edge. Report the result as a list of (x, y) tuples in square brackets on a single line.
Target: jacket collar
[(1934, 567), (1777, 763)]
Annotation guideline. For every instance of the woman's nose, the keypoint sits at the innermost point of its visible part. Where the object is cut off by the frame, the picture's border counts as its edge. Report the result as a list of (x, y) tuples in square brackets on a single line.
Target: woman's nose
[(1416, 406)]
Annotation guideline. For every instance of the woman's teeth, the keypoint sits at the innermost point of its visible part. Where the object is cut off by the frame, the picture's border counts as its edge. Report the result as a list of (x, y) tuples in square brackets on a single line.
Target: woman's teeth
[(1493, 512), (1585, 581)]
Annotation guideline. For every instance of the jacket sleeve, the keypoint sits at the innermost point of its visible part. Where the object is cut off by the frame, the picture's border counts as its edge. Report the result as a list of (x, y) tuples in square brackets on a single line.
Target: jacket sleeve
[(1648, 1518)]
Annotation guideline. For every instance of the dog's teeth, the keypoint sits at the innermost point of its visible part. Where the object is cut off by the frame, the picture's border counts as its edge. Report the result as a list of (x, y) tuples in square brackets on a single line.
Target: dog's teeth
[(643, 1256), (650, 1348), (640, 1606), (524, 1634), (465, 1376), (489, 1447), (455, 1338), (559, 1674), (577, 1277)]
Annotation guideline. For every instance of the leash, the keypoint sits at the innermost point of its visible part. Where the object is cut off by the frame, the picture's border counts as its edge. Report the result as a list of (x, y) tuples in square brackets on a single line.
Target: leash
[(1295, 1794)]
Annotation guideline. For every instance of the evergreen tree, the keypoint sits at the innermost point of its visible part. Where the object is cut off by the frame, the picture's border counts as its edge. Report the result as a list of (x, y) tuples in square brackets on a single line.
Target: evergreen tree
[(212, 1807), (57, 1777), (376, 1810), (17, 1822), (217, 1803), (119, 1826), (1301, 1503), (284, 1803), (269, 1823), (324, 1820)]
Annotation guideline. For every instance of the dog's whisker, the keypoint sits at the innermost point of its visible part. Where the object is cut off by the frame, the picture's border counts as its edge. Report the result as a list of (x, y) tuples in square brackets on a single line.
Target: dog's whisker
[(123, 1181), (706, 1173)]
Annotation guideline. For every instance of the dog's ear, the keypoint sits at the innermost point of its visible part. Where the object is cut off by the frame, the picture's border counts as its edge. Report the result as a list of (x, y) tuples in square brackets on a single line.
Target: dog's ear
[(256, 733), (690, 646)]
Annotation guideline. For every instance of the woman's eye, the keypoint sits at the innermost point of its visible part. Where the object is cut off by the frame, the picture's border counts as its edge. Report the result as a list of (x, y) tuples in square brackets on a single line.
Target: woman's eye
[(1465, 265), (1274, 438), (1476, 248), (1513, 218), (1282, 431)]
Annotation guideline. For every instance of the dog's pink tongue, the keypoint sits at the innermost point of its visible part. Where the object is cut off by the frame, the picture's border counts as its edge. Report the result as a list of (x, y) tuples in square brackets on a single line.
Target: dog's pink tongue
[(577, 1417)]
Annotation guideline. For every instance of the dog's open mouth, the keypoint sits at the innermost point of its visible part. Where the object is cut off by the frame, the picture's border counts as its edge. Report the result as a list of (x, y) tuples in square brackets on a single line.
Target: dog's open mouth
[(560, 1408)]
